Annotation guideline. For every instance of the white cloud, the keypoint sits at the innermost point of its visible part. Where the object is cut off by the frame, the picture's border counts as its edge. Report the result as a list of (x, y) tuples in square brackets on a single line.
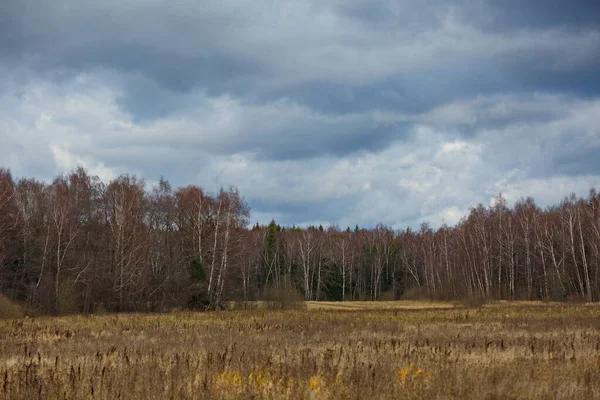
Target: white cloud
[(427, 172), (547, 191), (68, 162)]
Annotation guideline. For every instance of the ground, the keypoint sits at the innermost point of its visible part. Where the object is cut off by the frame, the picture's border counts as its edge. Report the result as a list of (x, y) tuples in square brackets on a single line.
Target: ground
[(326, 350)]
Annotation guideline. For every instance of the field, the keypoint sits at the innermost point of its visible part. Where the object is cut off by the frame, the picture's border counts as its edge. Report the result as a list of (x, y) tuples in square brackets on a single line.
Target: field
[(327, 350)]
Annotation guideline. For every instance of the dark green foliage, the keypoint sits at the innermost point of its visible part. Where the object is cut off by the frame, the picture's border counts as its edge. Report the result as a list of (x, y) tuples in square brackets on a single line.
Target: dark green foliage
[(198, 271)]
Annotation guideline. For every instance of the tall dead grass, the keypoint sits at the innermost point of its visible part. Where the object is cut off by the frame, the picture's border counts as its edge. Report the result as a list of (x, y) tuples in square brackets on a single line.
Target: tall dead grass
[(497, 351)]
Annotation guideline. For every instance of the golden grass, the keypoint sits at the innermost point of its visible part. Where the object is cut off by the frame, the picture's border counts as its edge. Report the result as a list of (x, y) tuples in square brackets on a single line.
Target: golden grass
[(377, 305), (367, 350)]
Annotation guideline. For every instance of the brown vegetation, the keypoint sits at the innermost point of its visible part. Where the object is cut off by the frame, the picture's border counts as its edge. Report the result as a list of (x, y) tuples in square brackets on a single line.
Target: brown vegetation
[(82, 245), (385, 350), (8, 309)]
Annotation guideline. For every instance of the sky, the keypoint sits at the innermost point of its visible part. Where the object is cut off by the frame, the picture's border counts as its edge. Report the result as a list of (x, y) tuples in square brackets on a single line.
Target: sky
[(319, 111)]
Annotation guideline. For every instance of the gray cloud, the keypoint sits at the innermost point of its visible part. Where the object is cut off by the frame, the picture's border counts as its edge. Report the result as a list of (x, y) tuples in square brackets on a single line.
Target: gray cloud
[(348, 111), (544, 13), (247, 48)]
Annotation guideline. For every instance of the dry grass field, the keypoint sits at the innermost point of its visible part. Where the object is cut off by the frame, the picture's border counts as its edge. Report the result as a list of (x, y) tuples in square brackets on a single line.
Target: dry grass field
[(327, 350)]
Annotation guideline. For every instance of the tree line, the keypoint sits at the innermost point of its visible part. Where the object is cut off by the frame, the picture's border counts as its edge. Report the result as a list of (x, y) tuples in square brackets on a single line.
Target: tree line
[(81, 245)]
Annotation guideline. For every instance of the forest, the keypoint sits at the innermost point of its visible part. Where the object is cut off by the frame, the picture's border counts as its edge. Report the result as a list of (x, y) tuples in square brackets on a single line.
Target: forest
[(79, 245)]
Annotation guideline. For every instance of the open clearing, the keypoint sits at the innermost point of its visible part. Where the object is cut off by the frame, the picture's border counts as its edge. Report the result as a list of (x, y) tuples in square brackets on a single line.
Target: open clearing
[(375, 305), (328, 350)]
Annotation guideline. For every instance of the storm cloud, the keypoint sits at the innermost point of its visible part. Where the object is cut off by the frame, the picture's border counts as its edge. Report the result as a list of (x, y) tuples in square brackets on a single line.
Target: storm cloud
[(337, 111)]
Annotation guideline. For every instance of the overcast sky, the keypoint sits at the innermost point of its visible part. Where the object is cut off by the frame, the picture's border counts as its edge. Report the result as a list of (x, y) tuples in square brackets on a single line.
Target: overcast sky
[(319, 111)]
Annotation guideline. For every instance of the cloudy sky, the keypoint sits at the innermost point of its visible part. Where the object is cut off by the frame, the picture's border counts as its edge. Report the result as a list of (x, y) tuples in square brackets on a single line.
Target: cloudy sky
[(319, 111)]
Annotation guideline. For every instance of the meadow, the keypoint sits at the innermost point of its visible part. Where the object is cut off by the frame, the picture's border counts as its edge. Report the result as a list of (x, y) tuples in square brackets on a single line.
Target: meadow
[(378, 350)]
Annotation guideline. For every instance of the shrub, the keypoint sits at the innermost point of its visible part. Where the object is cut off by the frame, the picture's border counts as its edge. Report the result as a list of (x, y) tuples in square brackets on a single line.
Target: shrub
[(99, 308), (416, 293), (283, 298), (389, 295), (473, 301), (69, 297), (241, 305), (575, 298), (198, 296), (9, 309)]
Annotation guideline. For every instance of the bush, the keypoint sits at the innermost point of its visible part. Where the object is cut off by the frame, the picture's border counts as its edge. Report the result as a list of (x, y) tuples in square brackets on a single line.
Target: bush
[(416, 293), (389, 295), (198, 296), (241, 305), (8, 309), (575, 298), (69, 297), (99, 308), (473, 301), (283, 298)]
